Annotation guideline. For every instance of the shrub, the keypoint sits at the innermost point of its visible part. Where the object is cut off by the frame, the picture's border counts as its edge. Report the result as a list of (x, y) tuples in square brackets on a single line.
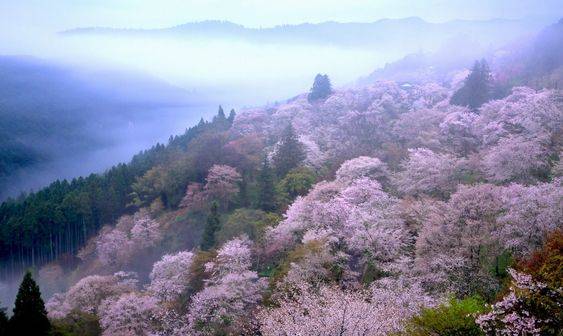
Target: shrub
[(456, 318)]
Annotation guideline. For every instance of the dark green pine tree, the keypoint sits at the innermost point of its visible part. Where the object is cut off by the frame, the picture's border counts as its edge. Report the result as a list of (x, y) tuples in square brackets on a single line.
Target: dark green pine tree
[(477, 88), (289, 154), (321, 88), (266, 191), (243, 192), (30, 316), (3, 322), (232, 116), (221, 113), (212, 225)]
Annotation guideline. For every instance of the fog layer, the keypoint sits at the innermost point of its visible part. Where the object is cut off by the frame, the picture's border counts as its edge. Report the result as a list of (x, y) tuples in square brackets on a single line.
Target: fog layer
[(205, 70)]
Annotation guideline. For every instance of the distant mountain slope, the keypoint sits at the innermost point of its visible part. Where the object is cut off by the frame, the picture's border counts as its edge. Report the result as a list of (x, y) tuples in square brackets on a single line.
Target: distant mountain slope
[(387, 32), (48, 111), (533, 61), (537, 63)]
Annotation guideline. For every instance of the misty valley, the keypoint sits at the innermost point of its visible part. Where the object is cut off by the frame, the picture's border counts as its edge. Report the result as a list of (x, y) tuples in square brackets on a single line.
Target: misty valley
[(333, 176)]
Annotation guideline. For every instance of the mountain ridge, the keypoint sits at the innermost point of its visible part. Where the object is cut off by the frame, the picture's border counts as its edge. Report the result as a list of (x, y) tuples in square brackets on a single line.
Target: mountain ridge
[(377, 34)]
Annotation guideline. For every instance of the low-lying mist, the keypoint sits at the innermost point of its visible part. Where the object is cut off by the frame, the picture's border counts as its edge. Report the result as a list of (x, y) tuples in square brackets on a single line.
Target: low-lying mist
[(170, 78), (119, 115)]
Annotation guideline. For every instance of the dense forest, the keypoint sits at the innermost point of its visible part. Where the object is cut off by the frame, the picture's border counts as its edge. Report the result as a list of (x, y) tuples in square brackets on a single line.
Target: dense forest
[(389, 208), (58, 220)]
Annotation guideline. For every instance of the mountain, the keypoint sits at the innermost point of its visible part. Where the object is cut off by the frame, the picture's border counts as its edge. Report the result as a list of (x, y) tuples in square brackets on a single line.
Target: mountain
[(401, 199), (395, 33), (50, 111), (534, 60), (357, 211)]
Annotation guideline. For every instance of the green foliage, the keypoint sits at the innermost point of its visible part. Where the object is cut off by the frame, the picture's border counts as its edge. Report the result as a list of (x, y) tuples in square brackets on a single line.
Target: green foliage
[(250, 222), (76, 323), (212, 225), (477, 88), (502, 262), (198, 273), (298, 253), (60, 218), (266, 194), (453, 319), (232, 116), (296, 183), (321, 88), (290, 153), (30, 316), (371, 273)]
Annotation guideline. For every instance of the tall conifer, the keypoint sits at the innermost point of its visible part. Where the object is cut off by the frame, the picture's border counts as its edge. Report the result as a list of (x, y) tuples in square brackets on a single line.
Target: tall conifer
[(290, 152), (30, 316), (266, 187), (211, 227)]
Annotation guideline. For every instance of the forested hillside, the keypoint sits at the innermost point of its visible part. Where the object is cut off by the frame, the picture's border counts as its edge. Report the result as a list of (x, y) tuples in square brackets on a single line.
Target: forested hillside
[(58, 220), (51, 112), (534, 61), (429, 208)]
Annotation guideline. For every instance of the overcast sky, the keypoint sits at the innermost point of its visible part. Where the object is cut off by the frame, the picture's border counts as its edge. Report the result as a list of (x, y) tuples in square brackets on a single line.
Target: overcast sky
[(64, 14)]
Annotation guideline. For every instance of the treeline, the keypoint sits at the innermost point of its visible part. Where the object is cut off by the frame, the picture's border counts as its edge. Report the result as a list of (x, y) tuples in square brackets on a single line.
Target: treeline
[(58, 219)]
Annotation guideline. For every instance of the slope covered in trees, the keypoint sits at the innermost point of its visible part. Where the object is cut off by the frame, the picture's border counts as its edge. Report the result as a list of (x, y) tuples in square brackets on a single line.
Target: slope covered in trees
[(379, 210), (52, 113), (533, 61), (399, 202), (59, 219)]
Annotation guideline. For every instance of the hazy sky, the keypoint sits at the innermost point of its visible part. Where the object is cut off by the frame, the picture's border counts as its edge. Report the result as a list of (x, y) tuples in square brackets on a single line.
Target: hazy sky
[(64, 14)]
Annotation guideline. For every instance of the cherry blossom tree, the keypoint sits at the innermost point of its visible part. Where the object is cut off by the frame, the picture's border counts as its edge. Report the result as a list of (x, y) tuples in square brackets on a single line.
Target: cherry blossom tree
[(194, 199), (530, 213), (56, 306), (373, 228), (330, 310), (112, 246), (88, 293), (515, 158), (145, 232), (222, 183), (427, 172), (117, 246), (128, 314), (456, 247), (352, 215), (419, 128), (362, 166), (231, 292), (525, 112), (457, 131), (170, 276), (528, 309)]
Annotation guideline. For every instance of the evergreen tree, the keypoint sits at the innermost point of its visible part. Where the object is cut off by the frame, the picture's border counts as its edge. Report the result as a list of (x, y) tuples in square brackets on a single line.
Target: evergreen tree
[(266, 194), (289, 154), (232, 116), (30, 316), (477, 88), (243, 192), (321, 88), (213, 224), (3, 322), (220, 120), (221, 113)]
